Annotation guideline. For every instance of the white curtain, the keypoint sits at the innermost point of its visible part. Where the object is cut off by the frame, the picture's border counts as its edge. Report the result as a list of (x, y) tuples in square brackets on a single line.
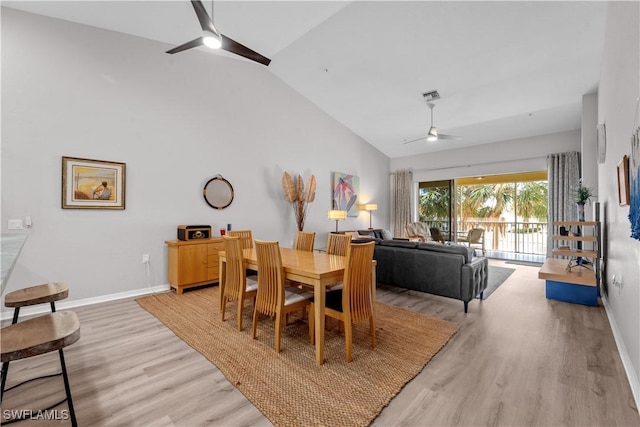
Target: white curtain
[(564, 176), (402, 184)]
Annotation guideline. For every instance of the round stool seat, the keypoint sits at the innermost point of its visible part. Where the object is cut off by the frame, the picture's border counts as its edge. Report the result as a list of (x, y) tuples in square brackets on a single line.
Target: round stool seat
[(39, 294), (39, 335)]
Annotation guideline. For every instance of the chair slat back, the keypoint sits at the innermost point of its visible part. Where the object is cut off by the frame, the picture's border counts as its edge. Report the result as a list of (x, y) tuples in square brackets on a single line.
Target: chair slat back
[(270, 277), (337, 244), (235, 277), (305, 240), (357, 292), (246, 239)]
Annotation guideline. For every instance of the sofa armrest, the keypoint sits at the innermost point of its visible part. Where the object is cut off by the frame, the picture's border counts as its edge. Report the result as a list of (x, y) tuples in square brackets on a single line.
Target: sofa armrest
[(474, 278)]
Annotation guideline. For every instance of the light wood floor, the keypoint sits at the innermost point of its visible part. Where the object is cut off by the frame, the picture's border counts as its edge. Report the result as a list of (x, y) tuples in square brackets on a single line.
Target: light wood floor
[(518, 359)]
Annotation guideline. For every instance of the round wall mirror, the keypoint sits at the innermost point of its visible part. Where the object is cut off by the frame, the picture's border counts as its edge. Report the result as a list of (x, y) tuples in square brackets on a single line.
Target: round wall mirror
[(218, 192)]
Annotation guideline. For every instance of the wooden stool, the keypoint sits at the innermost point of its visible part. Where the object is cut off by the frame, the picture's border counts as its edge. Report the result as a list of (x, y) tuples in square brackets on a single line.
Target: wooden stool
[(37, 336), (33, 295)]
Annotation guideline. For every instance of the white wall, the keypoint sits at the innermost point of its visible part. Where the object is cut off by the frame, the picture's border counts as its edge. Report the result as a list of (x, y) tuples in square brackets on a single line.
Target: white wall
[(521, 155), (618, 92), (176, 121)]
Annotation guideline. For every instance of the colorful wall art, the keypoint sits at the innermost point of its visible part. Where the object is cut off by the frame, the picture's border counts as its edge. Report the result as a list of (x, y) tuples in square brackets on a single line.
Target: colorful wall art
[(634, 187), (345, 193)]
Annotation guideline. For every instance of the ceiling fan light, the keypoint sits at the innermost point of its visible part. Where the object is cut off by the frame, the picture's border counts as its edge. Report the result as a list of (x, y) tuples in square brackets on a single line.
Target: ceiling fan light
[(433, 134), (211, 40)]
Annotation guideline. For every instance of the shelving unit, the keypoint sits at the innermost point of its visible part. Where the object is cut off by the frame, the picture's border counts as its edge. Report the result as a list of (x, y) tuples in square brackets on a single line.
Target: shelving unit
[(576, 278)]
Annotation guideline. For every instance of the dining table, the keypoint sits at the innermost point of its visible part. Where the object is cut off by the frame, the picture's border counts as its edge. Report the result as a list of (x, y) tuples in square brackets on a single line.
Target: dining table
[(317, 269)]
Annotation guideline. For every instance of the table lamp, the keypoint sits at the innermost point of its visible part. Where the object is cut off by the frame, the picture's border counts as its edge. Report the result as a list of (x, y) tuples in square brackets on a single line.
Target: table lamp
[(337, 216), (370, 207)]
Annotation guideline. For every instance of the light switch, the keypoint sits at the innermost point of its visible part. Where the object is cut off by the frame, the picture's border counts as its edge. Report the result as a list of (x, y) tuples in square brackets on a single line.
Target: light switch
[(15, 224)]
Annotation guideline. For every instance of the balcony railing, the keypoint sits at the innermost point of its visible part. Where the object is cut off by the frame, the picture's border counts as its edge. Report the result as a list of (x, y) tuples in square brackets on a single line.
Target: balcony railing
[(516, 237)]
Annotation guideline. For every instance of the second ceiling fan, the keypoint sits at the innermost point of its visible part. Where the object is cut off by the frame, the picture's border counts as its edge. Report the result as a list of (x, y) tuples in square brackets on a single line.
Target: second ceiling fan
[(212, 38), (433, 134)]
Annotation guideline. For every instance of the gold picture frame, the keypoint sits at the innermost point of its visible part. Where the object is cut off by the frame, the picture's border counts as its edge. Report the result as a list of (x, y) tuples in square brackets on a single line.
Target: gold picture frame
[(92, 184), (623, 181)]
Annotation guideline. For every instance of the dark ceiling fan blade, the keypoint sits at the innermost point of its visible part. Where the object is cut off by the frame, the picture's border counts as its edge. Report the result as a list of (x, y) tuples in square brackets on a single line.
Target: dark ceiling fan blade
[(205, 21), (453, 137), (188, 45), (233, 46)]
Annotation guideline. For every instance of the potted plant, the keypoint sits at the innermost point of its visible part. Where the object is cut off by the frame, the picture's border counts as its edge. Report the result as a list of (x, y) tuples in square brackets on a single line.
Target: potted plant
[(583, 194)]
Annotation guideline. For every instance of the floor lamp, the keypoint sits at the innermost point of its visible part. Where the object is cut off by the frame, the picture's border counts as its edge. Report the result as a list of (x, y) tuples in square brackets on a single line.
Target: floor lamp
[(337, 216)]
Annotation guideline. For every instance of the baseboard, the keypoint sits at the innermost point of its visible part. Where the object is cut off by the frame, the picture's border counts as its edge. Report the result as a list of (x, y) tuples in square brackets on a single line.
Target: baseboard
[(63, 305), (632, 376)]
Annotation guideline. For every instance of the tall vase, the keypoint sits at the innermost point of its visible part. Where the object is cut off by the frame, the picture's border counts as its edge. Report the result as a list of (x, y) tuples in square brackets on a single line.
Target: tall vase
[(580, 207)]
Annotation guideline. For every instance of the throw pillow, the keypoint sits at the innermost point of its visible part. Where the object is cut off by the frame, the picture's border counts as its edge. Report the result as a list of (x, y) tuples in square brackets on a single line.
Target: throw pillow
[(386, 235)]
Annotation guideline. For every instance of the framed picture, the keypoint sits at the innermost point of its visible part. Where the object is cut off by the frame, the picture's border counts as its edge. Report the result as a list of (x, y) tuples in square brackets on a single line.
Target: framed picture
[(623, 181), (345, 193), (92, 184)]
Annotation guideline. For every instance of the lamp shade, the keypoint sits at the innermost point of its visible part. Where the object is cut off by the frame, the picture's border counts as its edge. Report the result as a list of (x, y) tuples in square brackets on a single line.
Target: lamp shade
[(337, 215), (371, 207)]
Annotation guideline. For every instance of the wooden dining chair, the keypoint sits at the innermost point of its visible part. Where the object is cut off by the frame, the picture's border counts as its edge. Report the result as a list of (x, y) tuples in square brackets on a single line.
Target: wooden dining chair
[(246, 239), (238, 287), (354, 302), (337, 243), (272, 298), (305, 241)]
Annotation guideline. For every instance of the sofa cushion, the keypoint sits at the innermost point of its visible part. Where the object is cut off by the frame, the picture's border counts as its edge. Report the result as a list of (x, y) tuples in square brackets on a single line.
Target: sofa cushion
[(465, 251), (386, 235), (366, 239), (399, 243)]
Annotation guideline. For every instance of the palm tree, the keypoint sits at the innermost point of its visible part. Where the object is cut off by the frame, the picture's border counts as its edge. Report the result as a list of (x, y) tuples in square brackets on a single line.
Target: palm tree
[(532, 201), (434, 203), (487, 202)]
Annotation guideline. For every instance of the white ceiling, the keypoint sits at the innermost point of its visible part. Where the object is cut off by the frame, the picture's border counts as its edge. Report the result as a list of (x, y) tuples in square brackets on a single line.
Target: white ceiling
[(504, 70)]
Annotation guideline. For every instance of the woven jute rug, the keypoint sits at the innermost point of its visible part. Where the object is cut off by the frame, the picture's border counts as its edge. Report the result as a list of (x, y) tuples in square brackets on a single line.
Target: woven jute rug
[(288, 387)]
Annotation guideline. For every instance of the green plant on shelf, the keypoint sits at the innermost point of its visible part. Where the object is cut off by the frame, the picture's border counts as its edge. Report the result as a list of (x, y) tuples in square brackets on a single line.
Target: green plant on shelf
[(582, 194)]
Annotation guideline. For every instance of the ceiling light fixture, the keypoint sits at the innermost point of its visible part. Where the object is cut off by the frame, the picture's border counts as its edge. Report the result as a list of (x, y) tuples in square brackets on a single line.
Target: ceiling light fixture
[(433, 133), (211, 39)]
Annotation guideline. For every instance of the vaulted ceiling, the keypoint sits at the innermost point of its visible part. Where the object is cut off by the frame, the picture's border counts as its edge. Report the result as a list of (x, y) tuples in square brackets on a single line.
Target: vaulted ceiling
[(504, 70)]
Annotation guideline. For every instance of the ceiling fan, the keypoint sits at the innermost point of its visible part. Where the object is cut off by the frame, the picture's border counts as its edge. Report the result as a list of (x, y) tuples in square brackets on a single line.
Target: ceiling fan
[(433, 134), (213, 39)]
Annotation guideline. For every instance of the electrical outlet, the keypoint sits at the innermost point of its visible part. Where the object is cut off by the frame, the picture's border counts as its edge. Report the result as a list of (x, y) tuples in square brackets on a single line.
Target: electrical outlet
[(145, 258)]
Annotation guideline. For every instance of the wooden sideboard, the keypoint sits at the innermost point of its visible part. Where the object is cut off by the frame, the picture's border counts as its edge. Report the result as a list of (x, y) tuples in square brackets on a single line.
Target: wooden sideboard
[(193, 262)]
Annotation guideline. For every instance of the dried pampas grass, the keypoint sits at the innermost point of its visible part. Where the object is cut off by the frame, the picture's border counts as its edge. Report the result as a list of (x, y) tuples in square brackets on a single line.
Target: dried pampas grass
[(290, 191), (294, 192)]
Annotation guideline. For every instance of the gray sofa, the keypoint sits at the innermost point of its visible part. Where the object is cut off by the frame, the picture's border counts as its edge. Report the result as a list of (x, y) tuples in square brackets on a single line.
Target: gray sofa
[(448, 271)]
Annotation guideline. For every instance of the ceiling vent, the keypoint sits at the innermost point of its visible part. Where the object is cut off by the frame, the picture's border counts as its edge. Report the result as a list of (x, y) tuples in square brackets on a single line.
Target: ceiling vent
[(431, 96)]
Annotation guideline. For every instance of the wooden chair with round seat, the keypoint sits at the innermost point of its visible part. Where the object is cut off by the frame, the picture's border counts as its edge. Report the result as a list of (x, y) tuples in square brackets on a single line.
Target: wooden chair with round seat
[(40, 294), (36, 336)]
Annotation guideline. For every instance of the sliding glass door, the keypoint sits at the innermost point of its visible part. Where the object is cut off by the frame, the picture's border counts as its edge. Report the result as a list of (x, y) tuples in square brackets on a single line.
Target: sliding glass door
[(435, 206), (511, 208)]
